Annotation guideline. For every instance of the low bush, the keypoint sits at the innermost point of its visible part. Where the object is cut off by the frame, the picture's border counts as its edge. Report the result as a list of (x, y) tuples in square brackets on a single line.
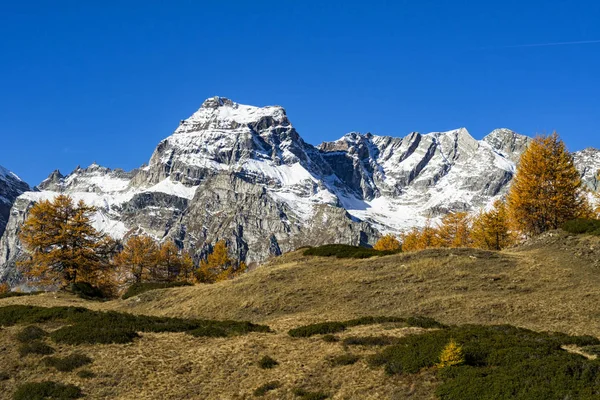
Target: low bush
[(86, 374), (4, 376), (87, 326), (330, 338), (344, 359), (346, 251), (323, 328), (86, 291), (267, 362), (35, 347), (304, 394), (47, 390), (267, 387), (139, 288), (582, 225), (500, 362), (370, 340), (68, 363), (18, 294), (30, 333)]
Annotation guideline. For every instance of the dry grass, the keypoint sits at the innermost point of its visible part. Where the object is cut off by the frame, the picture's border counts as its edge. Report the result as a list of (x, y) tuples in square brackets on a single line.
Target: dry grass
[(552, 283)]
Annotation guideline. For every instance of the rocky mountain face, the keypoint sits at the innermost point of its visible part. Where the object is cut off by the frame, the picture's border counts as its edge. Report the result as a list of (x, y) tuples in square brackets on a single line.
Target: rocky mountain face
[(11, 187), (244, 174)]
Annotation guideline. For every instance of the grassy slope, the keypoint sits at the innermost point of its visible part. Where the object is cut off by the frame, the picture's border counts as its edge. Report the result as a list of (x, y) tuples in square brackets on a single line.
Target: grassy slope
[(553, 283)]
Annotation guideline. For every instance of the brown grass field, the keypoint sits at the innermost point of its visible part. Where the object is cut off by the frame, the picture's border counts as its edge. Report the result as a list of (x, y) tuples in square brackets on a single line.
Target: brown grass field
[(551, 283)]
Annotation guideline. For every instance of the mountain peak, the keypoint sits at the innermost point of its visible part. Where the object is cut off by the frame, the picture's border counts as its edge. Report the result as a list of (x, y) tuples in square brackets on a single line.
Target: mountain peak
[(217, 101)]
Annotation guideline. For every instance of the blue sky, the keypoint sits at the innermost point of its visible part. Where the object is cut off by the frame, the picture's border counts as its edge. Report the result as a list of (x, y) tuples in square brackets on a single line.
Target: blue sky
[(106, 81)]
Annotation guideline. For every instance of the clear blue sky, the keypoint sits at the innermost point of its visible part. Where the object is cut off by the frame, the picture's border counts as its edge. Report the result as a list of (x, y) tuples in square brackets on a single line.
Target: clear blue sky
[(84, 81)]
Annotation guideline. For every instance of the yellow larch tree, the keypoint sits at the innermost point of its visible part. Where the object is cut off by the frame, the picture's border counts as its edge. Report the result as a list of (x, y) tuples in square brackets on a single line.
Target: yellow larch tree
[(173, 264), (451, 355), (62, 245), (546, 190), (219, 266), (387, 242), (138, 260), (491, 229), (420, 239), (454, 230)]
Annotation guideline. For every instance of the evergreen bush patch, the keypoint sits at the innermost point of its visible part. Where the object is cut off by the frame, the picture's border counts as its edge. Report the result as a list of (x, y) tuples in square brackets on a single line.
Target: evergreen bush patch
[(267, 387), (68, 363), (47, 390), (346, 251)]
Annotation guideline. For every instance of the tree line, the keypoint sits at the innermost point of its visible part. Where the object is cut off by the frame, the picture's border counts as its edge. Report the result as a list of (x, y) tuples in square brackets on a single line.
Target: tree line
[(546, 192), (63, 248)]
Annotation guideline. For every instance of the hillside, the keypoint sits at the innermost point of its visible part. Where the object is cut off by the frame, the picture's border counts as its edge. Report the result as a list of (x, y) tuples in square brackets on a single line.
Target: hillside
[(549, 284)]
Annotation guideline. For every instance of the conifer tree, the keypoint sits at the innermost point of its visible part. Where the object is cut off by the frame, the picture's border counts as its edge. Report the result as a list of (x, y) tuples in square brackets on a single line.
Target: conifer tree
[(138, 260), (451, 355), (454, 230), (172, 264), (491, 229), (546, 190), (421, 239), (387, 243), (63, 246), (219, 266)]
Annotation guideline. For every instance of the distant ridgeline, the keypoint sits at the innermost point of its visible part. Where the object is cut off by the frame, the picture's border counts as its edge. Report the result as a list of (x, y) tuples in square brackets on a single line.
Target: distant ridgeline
[(243, 174)]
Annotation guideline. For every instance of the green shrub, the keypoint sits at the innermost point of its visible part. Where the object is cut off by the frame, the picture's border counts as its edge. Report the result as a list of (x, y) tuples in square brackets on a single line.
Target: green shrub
[(87, 326), (501, 362), (370, 340), (30, 333), (344, 359), (47, 390), (267, 387), (339, 326), (345, 251), (86, 374), (4, 376), (593, 350), (89, 334), (582, 225), (307, 395), (267, 362), (86, 291), (330, 338), (18, 294), (139, 288), (68, 363), (317, 329), (35, 347)]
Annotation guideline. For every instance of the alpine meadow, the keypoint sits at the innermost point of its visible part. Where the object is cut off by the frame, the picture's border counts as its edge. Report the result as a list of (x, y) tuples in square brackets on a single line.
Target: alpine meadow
[(223, 248)]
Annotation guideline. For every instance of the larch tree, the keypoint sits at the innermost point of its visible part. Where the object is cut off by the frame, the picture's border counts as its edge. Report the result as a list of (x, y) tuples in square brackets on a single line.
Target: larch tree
[(421, 239), (454, 230), (138, 261), (63, 246), (219, 266), (491, 229), (387, 242), (173, 264), (546, 190)]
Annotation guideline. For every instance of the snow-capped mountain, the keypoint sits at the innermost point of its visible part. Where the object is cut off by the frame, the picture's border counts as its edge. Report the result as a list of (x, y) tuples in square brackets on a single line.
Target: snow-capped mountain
[(244, 174), (11, 187)]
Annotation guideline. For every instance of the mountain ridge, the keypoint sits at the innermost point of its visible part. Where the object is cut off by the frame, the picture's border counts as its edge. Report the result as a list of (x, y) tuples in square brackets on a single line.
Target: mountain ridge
[(244, 174)]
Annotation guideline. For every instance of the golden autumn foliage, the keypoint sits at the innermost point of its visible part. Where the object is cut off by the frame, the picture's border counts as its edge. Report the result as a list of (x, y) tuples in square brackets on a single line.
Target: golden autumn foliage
[(172, 265), (420, 239), (63, 246), (387, 242), (546, 190), (491, 229), (4, 288), (143, 260), (138, 260), (451, 355), (219, 266), (454, 230)]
